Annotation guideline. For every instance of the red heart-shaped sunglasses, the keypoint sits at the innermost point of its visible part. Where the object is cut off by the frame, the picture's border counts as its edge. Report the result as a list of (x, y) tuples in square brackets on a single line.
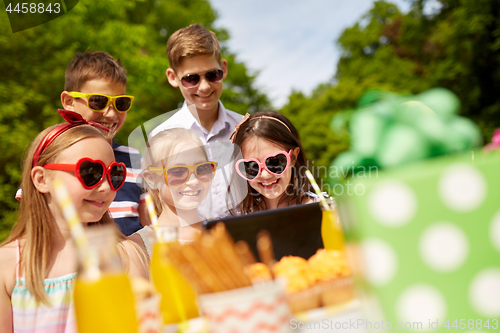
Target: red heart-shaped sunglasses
[(92, 172)]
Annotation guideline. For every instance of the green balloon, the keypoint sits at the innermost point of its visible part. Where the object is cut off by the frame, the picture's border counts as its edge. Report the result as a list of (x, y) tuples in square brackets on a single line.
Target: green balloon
[(455, 141), (409, 112), (366, 130), (335, 184), (442, 101), (468, 130), (343, 166), (438, 149), (400, 145), (339, 121), (365, 168), (388, 130), (432, 128), (373, 96), (384, 109)]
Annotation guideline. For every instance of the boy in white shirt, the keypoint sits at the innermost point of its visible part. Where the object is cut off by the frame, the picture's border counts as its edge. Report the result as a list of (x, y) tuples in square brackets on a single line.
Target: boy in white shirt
[(196, 68)]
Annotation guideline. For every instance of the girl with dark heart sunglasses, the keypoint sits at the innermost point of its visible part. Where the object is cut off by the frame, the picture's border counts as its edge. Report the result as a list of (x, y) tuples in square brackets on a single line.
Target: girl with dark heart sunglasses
[(274, 163)]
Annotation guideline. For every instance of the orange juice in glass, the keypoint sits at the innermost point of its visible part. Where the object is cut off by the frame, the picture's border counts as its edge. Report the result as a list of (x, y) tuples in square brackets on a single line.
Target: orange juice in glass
[(105, 305), (331, 230), (178, 299), (103, 295)]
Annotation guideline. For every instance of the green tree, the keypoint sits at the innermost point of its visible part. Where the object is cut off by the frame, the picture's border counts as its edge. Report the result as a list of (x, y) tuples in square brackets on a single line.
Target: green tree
[(463, 52), (34, 62), (457, 47)]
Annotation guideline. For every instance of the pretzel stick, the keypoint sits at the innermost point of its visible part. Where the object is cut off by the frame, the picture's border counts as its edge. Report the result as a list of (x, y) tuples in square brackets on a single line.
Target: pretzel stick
[(198, 283), (203, 270), (211, 262), (207, 251), (265, 248), (186, 268), (226, 248), (244, 253), (197, 273), (220, 233), (218, 252)]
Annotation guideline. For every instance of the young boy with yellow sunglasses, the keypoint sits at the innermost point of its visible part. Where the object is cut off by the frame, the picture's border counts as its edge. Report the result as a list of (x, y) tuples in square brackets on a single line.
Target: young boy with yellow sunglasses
[(95, 87)]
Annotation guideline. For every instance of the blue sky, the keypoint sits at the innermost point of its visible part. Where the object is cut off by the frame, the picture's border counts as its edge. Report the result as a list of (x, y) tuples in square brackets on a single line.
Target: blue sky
[(290, 42)]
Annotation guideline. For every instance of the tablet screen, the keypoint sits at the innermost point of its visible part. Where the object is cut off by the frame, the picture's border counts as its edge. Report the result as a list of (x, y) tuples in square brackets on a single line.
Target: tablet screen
[(294, 230)]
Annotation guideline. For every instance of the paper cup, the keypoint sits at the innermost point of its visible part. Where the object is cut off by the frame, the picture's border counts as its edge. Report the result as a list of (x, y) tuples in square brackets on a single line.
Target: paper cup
[(258, 308), (148, 315)]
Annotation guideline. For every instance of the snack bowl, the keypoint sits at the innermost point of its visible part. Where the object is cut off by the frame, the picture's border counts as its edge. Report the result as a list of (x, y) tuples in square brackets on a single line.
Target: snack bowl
[(257, 308), (336, 291)]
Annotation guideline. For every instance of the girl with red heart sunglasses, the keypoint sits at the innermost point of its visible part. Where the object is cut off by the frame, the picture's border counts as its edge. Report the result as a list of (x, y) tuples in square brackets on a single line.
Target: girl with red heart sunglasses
[(273, 163), (38, 259)]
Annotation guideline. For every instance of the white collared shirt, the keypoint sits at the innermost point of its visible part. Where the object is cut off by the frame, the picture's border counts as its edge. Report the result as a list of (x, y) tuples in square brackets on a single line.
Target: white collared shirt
[(219, 150)]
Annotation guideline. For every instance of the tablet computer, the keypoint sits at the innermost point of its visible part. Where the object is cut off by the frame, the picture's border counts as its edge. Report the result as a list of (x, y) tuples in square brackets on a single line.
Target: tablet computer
[(294, 230)]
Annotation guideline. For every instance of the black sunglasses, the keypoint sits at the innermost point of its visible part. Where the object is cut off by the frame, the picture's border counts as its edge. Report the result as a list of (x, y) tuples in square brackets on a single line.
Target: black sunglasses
[(192, 80)]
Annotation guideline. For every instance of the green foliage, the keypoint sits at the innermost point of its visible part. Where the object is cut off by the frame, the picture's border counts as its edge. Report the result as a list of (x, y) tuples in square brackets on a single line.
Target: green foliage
[(457, 47), (34, 61)]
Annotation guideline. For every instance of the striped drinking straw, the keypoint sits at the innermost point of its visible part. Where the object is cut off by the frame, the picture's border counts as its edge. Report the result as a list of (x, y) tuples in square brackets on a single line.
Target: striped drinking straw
[(315, 186), (70, 215), (152, 216)]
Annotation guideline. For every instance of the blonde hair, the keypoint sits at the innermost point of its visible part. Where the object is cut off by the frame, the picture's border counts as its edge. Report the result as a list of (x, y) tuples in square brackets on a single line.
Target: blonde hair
[(192, 41), (163, 146), (36, 223)]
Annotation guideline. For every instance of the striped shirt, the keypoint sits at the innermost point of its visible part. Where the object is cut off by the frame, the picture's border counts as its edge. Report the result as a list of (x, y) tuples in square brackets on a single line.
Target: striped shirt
[(28, 316), (124, 209)]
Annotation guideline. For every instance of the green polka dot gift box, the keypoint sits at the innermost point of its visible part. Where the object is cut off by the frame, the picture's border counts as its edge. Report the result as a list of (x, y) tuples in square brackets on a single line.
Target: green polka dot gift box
[(428, 238)]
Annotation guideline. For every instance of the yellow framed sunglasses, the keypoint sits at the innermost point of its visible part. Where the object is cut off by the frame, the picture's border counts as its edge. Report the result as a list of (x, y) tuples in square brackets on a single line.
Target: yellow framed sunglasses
[(178, 175), (99, 102)]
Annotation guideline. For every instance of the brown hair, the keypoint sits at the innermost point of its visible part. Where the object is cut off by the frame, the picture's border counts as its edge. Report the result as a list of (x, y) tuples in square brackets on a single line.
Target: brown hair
[(164, 146), (287, 138), (192, 41), (36, 223), (93, 65)]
